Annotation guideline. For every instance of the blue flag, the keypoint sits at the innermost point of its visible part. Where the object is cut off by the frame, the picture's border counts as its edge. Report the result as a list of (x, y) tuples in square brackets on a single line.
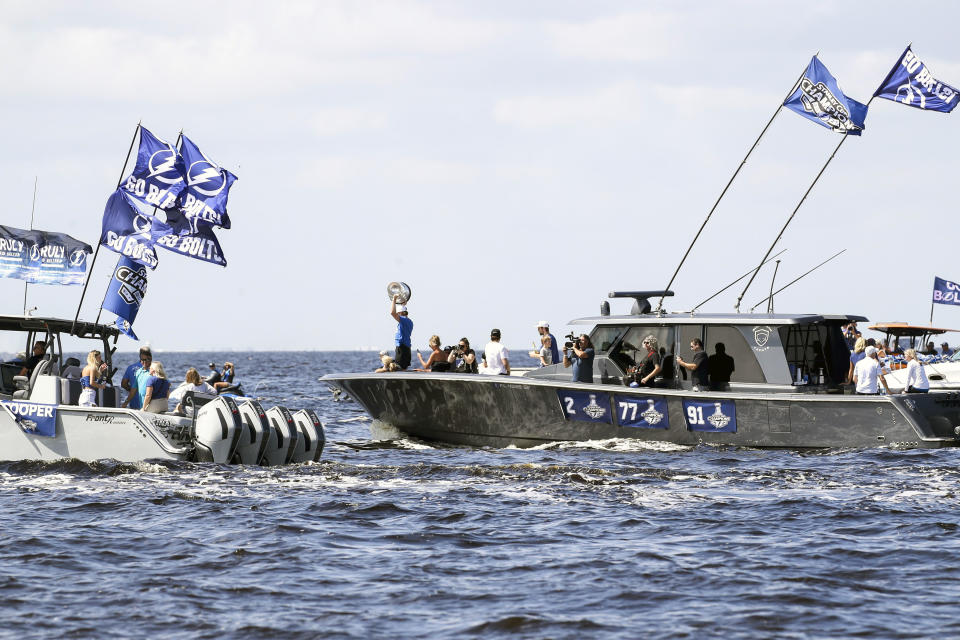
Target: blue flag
[(945, 292), (208, 186), (820, 99), (911, 83), (158, 177), (42, 257), (199, 242), (125, 293), (130, 232)]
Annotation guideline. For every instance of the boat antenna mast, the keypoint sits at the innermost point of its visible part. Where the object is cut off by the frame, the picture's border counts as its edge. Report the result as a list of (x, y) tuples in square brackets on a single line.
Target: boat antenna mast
[(773, 279), (33, 209), (797, 279), (694, 310), (729, 182)]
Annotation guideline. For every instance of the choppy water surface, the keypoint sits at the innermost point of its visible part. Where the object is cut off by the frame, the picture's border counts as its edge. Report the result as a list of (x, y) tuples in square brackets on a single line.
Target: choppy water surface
[(602, 539)]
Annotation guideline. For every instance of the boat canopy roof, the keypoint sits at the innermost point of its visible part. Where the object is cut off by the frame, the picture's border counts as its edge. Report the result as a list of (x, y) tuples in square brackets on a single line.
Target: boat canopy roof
[(899, 329), (82, 328), (717, 319)]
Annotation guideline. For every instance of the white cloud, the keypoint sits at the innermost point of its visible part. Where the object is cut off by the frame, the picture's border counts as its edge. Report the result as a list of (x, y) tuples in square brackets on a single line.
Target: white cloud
[(336, 121), (630, 37)]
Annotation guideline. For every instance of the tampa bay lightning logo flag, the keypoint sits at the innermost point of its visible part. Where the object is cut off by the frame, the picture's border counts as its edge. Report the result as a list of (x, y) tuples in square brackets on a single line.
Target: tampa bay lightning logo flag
[(125, 293), (158, 177), (911, 83), (42, 257), (945, 292), (130, 232), (820, 99), (192, 238), (208, 186)]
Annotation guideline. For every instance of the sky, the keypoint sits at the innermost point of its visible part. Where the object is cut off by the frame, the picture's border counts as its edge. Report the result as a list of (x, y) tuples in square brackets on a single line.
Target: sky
[(511, 162)]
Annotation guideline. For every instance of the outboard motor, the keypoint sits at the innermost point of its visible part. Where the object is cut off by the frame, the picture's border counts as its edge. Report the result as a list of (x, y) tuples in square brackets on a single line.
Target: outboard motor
[(287, 435), (312, 438), (217, 429), (256, 433)]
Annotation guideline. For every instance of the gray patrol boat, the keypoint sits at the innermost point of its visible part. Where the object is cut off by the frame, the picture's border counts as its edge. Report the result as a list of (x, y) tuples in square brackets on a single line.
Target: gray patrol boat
[(786, 390)]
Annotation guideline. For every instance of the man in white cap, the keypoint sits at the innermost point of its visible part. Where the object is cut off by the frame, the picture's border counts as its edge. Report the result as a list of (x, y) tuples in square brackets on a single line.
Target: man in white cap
[(543, 328), (867, 372), (404, 331)]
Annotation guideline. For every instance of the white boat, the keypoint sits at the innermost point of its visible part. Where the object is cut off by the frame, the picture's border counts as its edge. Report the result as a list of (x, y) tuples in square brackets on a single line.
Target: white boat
[(40, 418), (942, 372)]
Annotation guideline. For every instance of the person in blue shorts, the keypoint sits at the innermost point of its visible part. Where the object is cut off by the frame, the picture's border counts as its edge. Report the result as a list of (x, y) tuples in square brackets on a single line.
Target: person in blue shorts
[(404, 331)]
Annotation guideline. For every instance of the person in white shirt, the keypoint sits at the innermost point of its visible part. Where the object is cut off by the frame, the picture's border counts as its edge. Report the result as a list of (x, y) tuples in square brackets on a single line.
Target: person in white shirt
[(498, 359), (867, 372), (916, 381)]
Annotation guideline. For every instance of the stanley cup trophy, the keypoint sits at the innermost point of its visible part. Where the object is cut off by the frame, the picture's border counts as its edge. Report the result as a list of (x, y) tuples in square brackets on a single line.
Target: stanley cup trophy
[(401, 289)]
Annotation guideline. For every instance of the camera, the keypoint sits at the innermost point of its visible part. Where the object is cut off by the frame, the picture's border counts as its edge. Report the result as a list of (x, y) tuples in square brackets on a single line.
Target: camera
[(454, 349), (571, 341)]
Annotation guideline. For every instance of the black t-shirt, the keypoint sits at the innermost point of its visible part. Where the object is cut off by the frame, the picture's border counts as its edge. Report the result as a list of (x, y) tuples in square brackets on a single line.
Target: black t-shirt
[(32, 362), (650, 362), (720, 366), (701, 372), (462, 366)]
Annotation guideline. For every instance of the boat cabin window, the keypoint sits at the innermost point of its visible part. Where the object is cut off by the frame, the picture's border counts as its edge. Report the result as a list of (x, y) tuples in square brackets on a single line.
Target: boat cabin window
[(746, 367), (629, 351), (810, 348), (604, 337)]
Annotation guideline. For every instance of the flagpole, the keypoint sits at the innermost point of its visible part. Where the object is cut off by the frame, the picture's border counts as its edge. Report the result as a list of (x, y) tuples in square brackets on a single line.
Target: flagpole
[(797, 208), (97, 250), (33, 209), (724, 192)]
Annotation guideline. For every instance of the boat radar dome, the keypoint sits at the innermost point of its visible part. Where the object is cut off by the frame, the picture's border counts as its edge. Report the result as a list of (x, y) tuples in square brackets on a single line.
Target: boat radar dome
[(641, 304)]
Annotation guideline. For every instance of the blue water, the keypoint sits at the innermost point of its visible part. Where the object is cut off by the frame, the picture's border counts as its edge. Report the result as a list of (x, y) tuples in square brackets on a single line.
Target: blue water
[(398, 538)]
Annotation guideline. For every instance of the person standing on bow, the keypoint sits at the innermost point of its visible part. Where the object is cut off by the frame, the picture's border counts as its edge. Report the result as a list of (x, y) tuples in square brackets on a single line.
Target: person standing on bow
[(134, 379), (496, 356), (404, 331), (580, 357), (543, 328)]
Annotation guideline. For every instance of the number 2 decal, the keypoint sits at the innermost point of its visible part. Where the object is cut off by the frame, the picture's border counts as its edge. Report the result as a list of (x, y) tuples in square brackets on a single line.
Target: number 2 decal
[(569, 402)]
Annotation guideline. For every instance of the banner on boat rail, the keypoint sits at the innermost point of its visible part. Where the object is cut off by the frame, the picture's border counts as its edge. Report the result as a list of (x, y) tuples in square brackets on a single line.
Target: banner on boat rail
[(945, 292), (42, 257), (588, 406), (642, 412), (712, 415), (38, 419)]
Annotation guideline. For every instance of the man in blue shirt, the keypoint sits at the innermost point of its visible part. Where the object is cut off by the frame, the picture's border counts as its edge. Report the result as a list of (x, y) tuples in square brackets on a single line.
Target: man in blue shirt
[(404, 331), (135, 379), (581, 359)]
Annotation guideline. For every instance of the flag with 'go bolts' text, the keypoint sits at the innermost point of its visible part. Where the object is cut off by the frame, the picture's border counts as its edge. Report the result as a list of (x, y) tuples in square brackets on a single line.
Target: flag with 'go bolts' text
[(911, 83), (945, 292)]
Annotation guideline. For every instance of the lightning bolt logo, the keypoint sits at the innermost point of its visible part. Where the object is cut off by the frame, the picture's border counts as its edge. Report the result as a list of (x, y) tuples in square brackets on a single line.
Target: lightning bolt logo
[(163, 167), (203, 173)]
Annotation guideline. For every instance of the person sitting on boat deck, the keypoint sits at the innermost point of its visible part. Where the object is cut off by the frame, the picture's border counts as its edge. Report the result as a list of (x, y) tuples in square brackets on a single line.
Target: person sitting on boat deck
[(867, 372), (931, 350), (856, 357), (39, 349), (721, 367), (650, 366), (496, 355), (700, 377), (543, 328), (135, 378), (90, 380), (916, 381), (945, 350), (387, 364), (438, 357), (463, 359), (404, 331), (192, 382), (224, 378), (156, 398), (580, 357)]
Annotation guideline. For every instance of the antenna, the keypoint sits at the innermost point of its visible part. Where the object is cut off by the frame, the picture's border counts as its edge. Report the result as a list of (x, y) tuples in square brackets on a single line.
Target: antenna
[(770, 297), (33, 209), (780, 253), (776, 268)]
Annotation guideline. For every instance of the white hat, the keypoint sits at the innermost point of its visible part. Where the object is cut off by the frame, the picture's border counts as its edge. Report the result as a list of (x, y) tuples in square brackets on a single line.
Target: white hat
[(870, 351), (383, 353), (401, 308), (543, 323)]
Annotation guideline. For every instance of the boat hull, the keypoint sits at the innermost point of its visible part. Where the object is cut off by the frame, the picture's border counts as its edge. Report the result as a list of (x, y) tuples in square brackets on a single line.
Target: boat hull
[(502, 411)]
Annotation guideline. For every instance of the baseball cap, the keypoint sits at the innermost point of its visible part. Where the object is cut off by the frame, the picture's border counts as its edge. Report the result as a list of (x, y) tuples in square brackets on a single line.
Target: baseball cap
[(543, 323), (494, 333), (401, 308), (383, 353), (870, 351)]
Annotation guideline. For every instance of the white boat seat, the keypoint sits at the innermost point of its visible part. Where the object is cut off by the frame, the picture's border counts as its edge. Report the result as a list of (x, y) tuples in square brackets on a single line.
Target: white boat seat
[(26, 386)]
